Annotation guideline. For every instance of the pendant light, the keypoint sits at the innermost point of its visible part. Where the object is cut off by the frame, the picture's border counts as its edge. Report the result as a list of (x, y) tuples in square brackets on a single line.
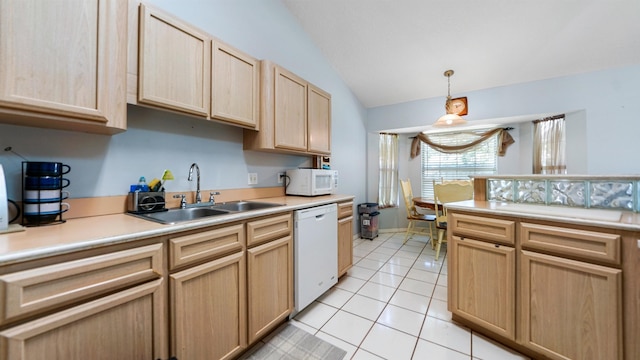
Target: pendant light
[(450, 118)]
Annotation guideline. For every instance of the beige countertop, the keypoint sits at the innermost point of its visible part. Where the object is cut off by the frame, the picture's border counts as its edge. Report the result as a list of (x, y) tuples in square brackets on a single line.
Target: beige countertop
[(97, 231), (613, 219)]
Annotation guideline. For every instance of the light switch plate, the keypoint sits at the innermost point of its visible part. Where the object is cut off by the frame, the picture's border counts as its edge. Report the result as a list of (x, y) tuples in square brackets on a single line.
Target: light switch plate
[(253, 179)]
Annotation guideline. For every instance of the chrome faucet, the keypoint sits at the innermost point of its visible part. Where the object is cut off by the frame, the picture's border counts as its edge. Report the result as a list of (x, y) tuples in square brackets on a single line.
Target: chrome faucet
[(183, 201), (198, 195)]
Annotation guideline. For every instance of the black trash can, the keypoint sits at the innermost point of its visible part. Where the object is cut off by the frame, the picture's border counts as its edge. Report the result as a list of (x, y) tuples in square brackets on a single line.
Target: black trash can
[(368, 220)]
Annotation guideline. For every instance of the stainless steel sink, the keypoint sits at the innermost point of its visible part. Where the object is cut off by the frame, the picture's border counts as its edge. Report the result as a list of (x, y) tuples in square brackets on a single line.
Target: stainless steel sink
[(237, 206), (203, 210), (173, 216)]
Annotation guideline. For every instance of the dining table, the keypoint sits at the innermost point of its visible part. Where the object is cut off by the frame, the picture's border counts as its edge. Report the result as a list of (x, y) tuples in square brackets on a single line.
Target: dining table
[(424, 202)]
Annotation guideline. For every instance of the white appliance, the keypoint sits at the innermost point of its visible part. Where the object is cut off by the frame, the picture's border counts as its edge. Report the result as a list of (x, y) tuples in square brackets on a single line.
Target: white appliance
[(4, 201), (315, 253), (311, 182)]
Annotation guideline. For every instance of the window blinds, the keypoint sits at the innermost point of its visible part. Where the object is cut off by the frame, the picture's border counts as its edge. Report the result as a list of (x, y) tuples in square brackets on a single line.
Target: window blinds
[(480, 160)]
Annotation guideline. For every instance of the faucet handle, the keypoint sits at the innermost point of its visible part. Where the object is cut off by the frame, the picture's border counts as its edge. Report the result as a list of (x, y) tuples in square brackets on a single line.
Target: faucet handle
[(183, 200), (211, 199)]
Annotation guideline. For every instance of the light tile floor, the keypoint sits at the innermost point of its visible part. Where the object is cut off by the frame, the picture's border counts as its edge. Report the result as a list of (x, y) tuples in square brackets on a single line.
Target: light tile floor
[(393, 305)]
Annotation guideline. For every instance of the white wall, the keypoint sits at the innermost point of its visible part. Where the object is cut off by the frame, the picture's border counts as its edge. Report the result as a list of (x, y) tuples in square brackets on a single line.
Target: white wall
[(607, 100), (156, 140), (602, 125)]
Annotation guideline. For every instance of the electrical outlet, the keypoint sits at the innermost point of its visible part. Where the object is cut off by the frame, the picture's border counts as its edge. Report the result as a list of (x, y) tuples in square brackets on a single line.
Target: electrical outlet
[(280, 177), (253, 179)]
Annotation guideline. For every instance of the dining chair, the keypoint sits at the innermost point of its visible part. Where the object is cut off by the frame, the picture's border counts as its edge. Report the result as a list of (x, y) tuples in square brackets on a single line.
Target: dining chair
[(443, 193), (413, 215)]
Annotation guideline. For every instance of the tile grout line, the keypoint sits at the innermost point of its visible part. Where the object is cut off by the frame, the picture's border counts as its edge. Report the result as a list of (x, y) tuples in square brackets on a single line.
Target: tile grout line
[(395, 290), (387, 303)]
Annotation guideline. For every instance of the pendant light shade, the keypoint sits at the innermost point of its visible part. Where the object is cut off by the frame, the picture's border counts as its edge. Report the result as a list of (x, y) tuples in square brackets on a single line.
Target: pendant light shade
[(450, 118)]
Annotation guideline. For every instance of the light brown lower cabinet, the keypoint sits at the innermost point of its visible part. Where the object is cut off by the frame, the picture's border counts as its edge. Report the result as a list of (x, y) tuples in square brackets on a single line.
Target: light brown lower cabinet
[(270, 285), (126, 325), (554, 291), (345, 237), (208, 305), (199, 294), (345, 245), (484, 289), (570, 309)]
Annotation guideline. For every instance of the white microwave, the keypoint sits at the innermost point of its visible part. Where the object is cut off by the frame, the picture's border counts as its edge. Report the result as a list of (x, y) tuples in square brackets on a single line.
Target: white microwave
[(311, 182)]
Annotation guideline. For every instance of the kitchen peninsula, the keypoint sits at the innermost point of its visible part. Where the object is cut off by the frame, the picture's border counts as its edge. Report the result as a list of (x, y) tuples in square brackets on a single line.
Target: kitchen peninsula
[(553, 282)]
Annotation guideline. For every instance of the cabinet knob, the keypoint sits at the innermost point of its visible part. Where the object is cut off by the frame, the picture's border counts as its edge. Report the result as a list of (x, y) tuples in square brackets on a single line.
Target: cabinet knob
[(497, 245)]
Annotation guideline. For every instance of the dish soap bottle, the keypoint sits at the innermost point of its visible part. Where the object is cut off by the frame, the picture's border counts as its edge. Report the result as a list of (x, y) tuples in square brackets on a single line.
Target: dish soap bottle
[(142, 185)]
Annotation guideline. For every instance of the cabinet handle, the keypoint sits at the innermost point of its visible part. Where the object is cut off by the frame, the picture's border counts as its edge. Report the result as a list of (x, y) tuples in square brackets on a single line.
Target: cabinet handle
[(496, 245)]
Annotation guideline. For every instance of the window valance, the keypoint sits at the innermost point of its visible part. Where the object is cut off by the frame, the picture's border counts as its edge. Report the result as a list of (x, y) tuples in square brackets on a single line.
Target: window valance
[(504, 140)]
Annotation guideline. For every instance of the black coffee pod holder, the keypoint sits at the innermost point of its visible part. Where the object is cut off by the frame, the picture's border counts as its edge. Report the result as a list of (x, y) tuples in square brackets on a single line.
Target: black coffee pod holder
[(38, 177)]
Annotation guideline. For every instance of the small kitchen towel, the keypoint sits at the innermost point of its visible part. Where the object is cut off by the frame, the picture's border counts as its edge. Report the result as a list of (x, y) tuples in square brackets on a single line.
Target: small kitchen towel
[(291, 343)]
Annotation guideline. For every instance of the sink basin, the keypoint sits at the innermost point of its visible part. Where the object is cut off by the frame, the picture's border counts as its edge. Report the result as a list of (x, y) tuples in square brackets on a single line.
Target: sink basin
[(173, 216), (244, 205), (203, 210)]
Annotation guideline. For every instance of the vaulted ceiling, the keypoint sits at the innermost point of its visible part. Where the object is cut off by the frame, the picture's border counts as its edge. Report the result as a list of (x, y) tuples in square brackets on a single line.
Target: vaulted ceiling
[(393, 51)]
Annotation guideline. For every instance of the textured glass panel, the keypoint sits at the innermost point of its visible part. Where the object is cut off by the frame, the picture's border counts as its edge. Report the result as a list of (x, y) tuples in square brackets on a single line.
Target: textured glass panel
[(532, 191), (570, 193), (501, 190), (610, 194)]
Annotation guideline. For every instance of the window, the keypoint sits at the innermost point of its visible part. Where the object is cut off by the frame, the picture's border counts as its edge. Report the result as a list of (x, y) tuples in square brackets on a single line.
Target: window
[(480, 160)]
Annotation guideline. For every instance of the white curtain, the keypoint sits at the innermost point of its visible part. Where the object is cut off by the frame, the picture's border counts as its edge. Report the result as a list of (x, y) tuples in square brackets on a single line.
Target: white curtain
[(549, 146), (388, 165)]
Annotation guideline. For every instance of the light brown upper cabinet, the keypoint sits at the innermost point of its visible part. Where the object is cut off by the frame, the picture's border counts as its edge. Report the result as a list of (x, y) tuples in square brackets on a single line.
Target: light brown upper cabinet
[(174, 60), (63, 64), (319, 120), (295, 116), (176, 66), (235, 86)]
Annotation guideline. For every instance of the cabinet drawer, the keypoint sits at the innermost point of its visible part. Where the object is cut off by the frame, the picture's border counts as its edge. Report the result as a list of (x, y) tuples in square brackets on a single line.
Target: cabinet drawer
[(582, 244), (261, 231), (208, 244), (482, 228), (29, 291), (345, 209)]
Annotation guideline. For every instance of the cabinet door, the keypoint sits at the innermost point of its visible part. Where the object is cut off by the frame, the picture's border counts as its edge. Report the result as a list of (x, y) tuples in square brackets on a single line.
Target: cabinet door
[(345, 245), (66, 58), (174, 63), (482, 284), (270, 285), (234, 86), (290, 111), (208, 303), (129, 324), (570, 309), (319, 119)]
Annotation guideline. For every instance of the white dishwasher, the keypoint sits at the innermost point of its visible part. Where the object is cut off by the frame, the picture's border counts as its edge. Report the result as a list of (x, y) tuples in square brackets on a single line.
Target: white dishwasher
[(315, 253)]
